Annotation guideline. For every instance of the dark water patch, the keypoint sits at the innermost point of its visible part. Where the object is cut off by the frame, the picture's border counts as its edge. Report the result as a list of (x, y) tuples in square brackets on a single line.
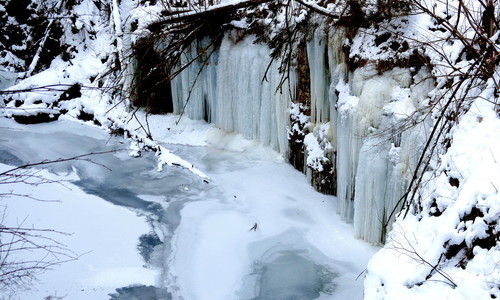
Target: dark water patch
[(291, 276), (115, 195), (147, 243), (140, 292)]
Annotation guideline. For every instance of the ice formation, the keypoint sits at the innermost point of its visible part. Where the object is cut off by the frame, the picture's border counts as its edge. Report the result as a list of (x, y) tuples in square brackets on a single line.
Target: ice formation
[(237, 91)]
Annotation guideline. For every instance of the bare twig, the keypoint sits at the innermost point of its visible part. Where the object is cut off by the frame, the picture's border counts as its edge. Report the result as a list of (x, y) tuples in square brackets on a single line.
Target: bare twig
[(409, 250)]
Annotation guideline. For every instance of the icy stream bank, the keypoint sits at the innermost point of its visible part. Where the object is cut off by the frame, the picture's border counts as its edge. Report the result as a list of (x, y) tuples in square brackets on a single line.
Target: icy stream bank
[(208, 250)]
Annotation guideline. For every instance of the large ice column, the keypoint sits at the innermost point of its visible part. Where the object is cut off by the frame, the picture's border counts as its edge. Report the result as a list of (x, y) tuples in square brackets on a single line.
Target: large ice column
[(371, 189), (360, 114), (238, 92), (320, 77), (248, 99), (348, 145), (387, 154)]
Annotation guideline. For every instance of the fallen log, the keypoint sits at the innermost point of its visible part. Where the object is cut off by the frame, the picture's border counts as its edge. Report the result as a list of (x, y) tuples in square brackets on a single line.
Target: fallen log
[(201, 14)]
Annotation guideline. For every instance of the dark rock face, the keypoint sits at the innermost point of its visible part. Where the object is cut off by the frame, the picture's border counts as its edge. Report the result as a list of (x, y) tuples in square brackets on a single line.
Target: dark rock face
[(72, 92), (151, 85), (303, 97), (326, 180), (36, 119)]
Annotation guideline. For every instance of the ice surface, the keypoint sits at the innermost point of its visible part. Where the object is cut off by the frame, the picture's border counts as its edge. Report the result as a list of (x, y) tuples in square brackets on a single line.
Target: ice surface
[(140, 292), (207, 250), (289, 215), (7, 79), (289, 268)]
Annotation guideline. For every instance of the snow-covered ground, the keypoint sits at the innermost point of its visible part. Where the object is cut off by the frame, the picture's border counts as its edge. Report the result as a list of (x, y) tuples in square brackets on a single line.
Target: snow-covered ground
[(299, 247), (103, 234)]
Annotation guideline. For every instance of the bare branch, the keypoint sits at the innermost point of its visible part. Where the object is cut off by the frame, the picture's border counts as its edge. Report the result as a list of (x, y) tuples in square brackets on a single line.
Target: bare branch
[(82, 157)]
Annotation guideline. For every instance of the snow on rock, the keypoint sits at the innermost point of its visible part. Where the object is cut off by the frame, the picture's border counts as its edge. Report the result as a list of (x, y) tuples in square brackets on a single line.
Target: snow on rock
[(71, 75), (168, 158), (317, 146)]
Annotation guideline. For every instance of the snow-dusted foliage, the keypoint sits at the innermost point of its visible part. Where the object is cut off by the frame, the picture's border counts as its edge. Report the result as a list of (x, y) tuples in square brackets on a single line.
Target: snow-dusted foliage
[(30, 34), (65, 59)]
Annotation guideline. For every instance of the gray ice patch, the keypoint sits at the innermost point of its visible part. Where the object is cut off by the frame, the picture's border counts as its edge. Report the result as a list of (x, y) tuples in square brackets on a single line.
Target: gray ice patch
[(140, 292), (291, 276), (286, 267)]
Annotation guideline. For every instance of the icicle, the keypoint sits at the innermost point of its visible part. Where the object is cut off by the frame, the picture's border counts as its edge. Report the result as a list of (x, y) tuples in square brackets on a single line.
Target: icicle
[(338, 72), (192, 89), (320, 79), (348, 144)]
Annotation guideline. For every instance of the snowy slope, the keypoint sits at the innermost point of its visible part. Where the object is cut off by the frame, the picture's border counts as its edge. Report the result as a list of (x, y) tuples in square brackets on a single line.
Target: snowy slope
[(466, 215)]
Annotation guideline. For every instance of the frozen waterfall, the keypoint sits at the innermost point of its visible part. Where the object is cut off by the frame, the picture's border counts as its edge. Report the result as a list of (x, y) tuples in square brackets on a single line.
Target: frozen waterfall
[(363, 109)]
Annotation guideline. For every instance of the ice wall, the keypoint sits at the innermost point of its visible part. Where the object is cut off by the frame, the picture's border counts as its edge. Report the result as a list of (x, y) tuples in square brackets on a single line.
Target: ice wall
[(234, 92), (368, 112)]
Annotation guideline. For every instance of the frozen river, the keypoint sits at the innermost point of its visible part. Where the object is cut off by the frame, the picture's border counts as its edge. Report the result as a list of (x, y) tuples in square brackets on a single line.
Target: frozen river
[(254, 229)]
